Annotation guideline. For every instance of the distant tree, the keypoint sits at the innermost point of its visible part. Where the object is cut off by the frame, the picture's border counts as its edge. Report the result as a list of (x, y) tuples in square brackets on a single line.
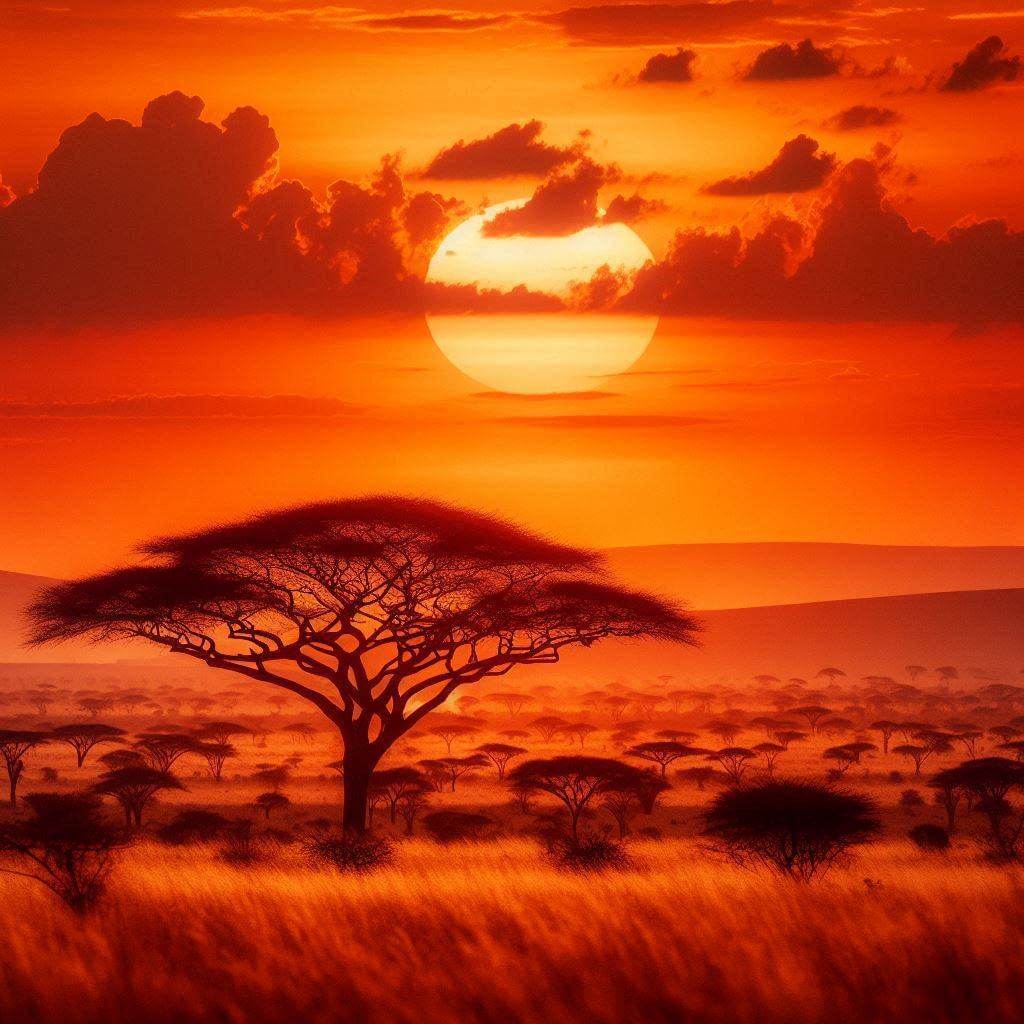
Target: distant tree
[(578, 731), (270, 802), (499, 754), (274, 775), (303, 730), (548, 726), (813, 713), (831, 674), (163, 749), (83, 736), (514, 702), (701, 776), (948, 795), (134, 789), (648, 786), (1015, 747), (847, 754), (66, 844), (947, 673), (390, 604), (886, 728), (14, 745), (663, 753), (769, 753), (929, 837), (969, 738), (391, 785), (95, 706), (122, 758), (799, 829), (724, 729), (411, 804), (928, 743), (915, 672), (623, 806), (456, 767), (193, 825), (734, 762), (435, 772), (575, 781), (215, 754), (988, 780), (784, 737)]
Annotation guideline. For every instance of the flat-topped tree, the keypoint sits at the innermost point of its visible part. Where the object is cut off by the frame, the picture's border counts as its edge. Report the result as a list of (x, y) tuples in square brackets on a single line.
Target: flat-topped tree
[(375, 610)]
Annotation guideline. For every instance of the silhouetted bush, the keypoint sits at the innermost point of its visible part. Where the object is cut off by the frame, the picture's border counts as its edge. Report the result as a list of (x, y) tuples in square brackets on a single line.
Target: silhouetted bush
[(895, 777), (242, 846), (349, 851), (67, 844), (193, 826), (588, 851), (455, 826), (929, 837), (799, 829), (911, 800)]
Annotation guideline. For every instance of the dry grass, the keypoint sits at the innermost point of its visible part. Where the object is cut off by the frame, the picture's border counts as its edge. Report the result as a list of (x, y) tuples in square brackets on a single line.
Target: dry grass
[(489, 932)]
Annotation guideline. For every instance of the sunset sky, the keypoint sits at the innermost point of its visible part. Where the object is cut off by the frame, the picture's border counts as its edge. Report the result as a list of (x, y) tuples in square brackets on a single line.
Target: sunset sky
[(221, 304)]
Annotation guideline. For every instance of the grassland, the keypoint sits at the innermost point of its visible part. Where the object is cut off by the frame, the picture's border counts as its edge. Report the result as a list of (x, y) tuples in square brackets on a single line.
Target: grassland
[(489, 932)]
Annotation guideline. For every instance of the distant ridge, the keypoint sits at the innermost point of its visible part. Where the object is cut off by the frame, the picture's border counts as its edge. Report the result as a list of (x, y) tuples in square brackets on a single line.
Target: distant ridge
[(765, 574)]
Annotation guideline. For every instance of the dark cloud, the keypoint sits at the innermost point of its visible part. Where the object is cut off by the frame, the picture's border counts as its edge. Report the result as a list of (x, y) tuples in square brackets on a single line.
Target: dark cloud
[(669, 67), (632, 208), (805, 60), (799, 167), (662, 22), (512, 151), (856, 259), (986, 64), (147, 407), (439, 298), (562, 205), (178, 216), (860, 116)]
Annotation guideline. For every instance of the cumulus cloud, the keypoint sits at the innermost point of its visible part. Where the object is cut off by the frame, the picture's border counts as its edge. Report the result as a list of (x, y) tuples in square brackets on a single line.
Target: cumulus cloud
[(562, 205), (512, 151), (861, 116), (632, 208), (799, 167), (805, 60), (179, 216), (986, 64), (669, 67), (855, 258)]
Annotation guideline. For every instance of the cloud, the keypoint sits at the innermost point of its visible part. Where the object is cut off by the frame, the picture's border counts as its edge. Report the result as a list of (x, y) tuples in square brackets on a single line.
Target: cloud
[(553, 396), (438, 21), (512, 151), (623, 23), (860, 116), (986, 64), (148, 407), (336, 16), (609, 422), (440, 298), (805, 60), (799, 167), (562, 205), (855, 258), (177, 216), (632, 208), (669, 67)]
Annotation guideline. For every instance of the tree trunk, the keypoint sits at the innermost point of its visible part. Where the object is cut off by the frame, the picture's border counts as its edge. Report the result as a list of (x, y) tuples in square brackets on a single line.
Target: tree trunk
[(356, 780)]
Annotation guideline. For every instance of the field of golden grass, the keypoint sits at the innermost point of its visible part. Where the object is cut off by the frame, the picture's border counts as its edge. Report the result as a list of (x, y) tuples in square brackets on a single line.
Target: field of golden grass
[(488, 932)]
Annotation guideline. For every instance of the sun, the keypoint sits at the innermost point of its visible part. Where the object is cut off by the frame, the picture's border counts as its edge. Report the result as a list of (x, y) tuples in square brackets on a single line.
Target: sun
[(538, 353)]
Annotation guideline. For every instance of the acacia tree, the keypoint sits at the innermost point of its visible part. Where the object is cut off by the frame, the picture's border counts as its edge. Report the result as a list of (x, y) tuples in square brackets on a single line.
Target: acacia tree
[(82, 737), (575, 781), (375, 610), (14, 745), (499, 754), (134, 788), (663, 753)]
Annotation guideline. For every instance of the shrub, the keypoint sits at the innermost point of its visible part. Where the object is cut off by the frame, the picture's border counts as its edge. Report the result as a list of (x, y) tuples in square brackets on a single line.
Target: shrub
[(349, 851), (911, 800), (929, 837), (242, 845), (455, 826), (193, 826), (588, 851), (895, 777)]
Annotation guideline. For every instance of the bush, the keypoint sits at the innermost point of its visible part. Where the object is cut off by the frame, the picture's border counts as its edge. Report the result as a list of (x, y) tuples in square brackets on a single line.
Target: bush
[(929, 837), (455, 826), (589, 852), (895, 777), (344, 851), (242, 845), (911, 800), (193, 826)]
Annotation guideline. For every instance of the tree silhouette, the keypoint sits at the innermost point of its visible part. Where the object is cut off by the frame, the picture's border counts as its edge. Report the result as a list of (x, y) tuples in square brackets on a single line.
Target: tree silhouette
[(813, 713), (575, 781), (83, 736), (548, 726), (663, 753), (799, 829), (734, 762), (411, 804), (449, 733), (578, 731), (886, 728), (988, 780), (134, 789), (66, 844), (455, 826), (374, 610), (215, 754), (162, 749), (271, 801), (847, 754), (456, 767), (499, 754), (14, 745), (390, 785), (769, 753)]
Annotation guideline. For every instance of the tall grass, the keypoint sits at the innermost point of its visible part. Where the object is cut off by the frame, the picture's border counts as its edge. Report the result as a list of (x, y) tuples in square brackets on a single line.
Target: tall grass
[(489, 932)]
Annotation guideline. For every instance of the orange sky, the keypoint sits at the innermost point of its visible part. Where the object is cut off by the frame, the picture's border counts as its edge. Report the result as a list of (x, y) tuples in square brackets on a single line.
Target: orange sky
[(740, 422)]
